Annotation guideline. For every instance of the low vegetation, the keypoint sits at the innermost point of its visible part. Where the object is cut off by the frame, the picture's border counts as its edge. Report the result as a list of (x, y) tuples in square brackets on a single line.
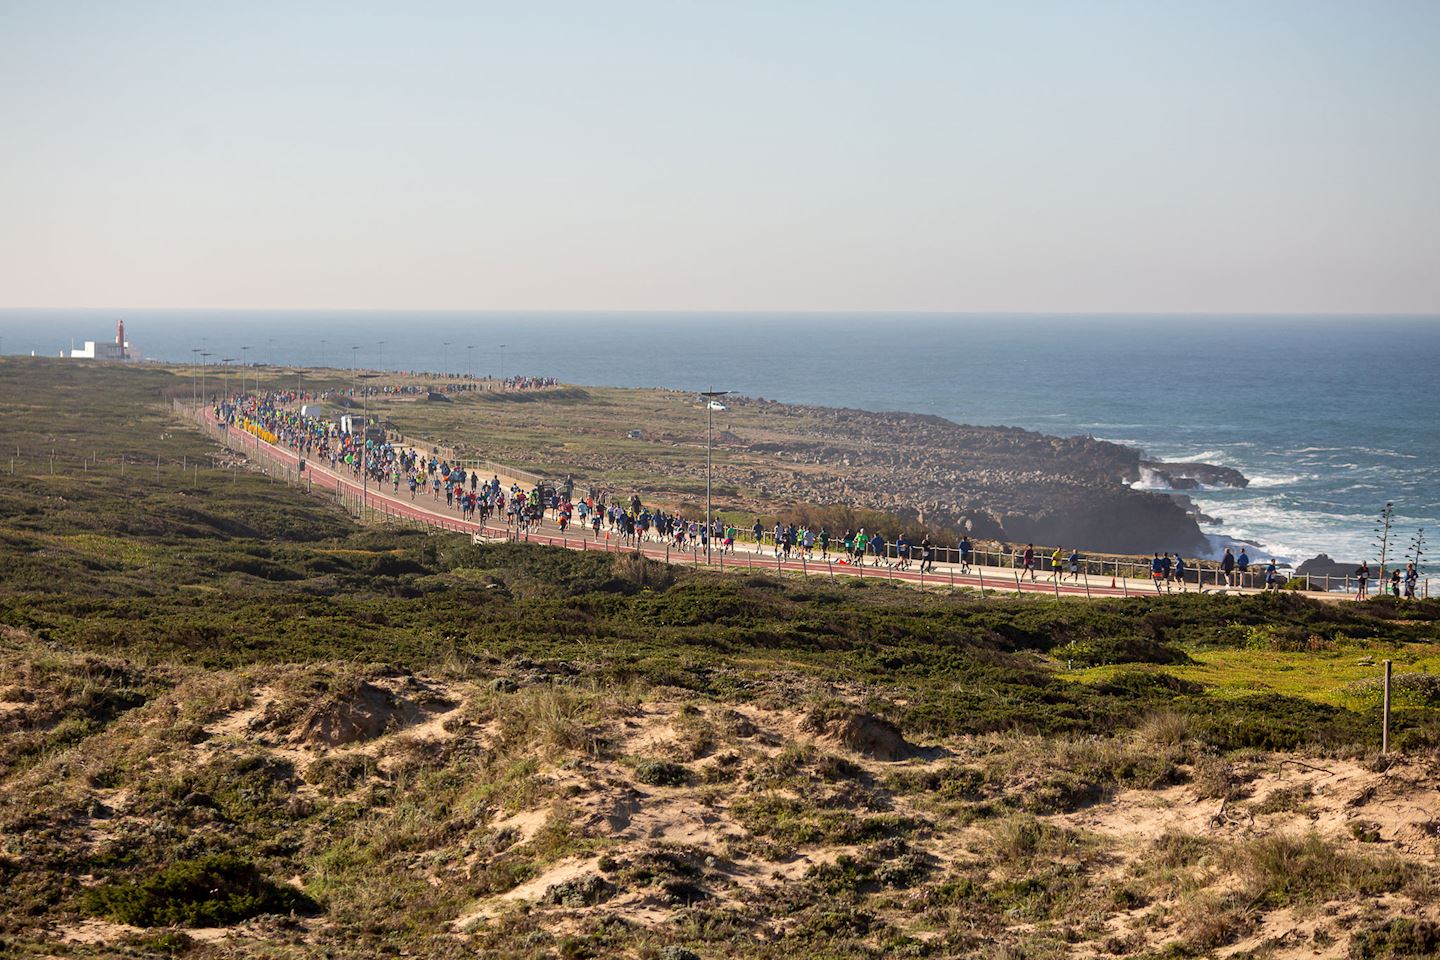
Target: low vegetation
[(237, 723)]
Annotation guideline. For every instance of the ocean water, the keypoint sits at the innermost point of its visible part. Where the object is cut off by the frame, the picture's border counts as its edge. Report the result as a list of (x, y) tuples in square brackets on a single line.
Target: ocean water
[(1329, 417)]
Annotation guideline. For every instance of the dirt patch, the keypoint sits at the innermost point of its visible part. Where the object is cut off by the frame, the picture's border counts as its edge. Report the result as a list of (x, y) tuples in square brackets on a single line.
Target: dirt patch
[(344, 712), (865, 734)]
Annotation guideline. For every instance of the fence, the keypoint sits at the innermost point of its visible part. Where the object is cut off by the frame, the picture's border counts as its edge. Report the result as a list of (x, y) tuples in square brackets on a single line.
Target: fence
[(356, 496)]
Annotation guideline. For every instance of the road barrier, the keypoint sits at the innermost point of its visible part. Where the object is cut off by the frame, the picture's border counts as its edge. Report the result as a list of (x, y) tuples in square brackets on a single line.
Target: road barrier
[(365, 499)]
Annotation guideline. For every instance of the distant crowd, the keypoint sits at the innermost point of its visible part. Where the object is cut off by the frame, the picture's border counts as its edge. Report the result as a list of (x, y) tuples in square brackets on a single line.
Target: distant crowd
[(370, 455)]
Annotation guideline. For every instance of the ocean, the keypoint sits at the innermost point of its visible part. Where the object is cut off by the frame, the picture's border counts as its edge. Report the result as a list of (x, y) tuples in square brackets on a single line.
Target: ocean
[(1330, 417)]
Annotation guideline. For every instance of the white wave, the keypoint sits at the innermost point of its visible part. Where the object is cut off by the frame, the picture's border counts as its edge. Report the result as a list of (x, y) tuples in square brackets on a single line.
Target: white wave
[(1264, 480), (1290, 533), (1381, 452), (1150, 480)]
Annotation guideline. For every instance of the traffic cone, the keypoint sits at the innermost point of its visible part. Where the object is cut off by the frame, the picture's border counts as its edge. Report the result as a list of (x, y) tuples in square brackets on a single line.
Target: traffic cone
[(1112, 581)]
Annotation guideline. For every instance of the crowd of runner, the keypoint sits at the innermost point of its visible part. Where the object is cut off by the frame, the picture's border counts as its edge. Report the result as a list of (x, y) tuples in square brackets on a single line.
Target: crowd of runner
[(371, 456)]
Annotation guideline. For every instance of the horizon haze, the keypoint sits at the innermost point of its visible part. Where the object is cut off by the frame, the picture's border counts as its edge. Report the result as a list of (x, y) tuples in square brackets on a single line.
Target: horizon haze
[(1049, 157)]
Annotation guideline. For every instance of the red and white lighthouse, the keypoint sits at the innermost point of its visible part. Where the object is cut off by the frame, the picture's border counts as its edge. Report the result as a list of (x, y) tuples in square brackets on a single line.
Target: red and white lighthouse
[(120, 337)]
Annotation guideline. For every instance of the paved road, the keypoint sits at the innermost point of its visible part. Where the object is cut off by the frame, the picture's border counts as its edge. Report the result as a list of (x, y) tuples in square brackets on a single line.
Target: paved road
[(427, 511)]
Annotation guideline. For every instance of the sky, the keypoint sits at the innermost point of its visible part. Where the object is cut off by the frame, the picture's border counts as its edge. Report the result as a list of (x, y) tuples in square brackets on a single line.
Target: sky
[(1097, 156)]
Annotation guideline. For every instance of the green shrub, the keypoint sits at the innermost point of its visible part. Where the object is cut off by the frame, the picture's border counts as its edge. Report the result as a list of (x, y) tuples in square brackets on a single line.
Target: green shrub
[(1400, 937), (213, 891), (661, 773)]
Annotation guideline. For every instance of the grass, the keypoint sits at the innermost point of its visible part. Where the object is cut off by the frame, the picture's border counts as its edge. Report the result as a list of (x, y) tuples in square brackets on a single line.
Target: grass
[(138, 612)]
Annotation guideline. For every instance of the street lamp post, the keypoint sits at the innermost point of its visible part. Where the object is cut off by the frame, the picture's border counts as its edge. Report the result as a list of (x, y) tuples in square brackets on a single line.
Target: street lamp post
[(380, 358), (194, 394), (470, 359), (502, 364), (711, 398), (245, 363), (203, 355)]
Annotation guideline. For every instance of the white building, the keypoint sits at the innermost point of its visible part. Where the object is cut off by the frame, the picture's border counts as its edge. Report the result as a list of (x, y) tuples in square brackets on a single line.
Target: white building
[(121, 349)]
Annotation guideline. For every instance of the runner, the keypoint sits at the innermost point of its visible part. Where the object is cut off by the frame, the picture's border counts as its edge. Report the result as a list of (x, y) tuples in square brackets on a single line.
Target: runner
[(1157, 571), (1363, 575), (1028, 557)]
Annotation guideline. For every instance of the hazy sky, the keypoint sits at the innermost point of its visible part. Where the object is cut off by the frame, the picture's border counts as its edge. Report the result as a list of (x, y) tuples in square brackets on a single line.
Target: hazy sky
[(1070, 156)]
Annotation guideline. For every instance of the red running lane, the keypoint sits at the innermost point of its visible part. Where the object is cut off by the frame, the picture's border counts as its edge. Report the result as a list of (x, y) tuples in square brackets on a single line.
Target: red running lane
[(394, 506)]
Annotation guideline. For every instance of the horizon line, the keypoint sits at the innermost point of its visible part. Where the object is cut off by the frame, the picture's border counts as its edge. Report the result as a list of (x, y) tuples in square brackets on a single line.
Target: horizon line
[(759, 311)]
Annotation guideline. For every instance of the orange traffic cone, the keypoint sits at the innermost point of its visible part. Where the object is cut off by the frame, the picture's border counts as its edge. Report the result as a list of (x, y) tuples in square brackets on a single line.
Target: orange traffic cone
[(1112, 581)]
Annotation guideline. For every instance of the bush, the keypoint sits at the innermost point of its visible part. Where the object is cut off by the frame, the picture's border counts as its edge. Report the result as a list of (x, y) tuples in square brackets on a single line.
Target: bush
[(661, 773), (213, 891), (1400, 937)]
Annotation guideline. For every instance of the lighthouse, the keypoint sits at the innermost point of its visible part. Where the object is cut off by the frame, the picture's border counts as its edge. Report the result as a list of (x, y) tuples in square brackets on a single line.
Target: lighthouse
[(121, 349)]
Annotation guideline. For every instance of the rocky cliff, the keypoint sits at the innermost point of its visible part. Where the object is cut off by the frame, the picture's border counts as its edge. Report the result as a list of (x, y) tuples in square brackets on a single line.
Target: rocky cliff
[(998, 482)]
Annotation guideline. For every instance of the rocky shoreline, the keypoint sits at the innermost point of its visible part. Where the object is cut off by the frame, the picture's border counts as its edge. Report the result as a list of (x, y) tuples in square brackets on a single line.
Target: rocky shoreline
[(999, 483)]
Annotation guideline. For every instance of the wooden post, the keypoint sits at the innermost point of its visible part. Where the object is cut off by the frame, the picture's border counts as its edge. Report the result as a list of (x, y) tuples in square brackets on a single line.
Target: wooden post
[(1385, 714)]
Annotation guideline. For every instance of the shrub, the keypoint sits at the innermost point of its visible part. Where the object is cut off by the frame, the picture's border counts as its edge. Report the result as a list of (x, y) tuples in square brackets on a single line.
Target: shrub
[(213, 891), (661, 773), (1400, 937)]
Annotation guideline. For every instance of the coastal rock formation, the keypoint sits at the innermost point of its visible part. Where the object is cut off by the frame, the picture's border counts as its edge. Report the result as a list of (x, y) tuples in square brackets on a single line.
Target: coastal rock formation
[(1323, 566), (1192, 476), (996, 482)]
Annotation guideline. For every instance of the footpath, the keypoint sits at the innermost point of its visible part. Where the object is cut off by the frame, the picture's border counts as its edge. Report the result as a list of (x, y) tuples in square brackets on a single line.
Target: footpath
[(375, 500)]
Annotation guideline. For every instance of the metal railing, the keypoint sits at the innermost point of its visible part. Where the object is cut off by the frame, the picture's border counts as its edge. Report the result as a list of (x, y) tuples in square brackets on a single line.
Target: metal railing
[(1129, 575)]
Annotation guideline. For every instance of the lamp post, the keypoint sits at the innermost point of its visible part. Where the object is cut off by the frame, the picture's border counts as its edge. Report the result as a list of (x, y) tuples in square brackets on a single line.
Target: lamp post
[(470, 359), (194, 395), (245, 362), (502, 364), (712, 398), (203, 355), (380, 357), (323, 341), (444, 352), (225, 373)]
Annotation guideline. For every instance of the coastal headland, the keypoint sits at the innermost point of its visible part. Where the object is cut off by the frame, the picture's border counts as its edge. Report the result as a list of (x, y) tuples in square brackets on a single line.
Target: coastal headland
[(995, 483)]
